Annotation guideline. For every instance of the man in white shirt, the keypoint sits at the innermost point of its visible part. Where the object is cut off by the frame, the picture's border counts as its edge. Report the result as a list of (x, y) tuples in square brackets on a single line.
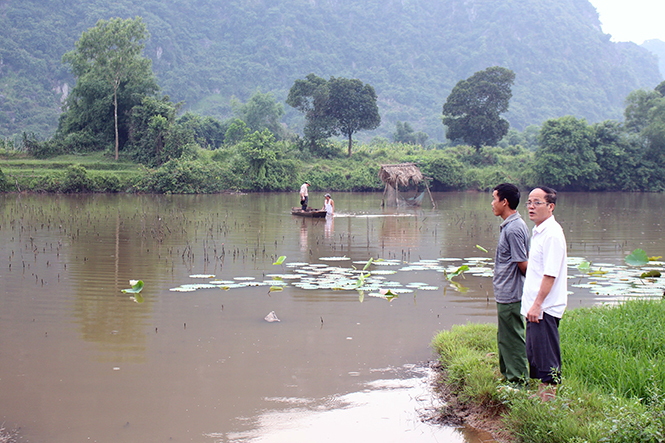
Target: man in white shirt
[(545, 293)]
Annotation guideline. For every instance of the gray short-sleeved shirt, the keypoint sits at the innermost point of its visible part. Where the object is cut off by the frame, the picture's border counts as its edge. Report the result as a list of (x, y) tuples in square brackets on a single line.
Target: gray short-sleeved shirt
[(513, 247)]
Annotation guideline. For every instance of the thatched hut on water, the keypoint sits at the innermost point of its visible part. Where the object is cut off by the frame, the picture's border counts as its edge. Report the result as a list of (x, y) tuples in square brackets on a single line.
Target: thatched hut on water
[(402, 175)]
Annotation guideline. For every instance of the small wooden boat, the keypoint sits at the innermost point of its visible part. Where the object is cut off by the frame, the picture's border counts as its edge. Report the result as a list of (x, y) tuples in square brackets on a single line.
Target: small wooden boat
[(317, 213)]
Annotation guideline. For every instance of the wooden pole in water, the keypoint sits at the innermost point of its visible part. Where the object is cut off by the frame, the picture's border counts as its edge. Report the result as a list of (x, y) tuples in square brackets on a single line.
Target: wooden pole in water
[(429, 193)]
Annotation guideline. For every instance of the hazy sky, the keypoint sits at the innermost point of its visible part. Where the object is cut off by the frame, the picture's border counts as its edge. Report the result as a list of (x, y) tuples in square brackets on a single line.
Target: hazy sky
[(632, 20)]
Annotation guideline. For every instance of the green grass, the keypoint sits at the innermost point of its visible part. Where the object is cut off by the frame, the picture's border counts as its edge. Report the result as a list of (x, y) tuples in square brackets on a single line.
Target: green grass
[(613, 376), (92, 161)]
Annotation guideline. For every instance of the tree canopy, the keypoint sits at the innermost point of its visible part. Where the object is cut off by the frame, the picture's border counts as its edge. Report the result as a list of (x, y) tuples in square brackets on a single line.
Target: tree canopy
[(473, 109), (338, 106), (112, 75), (565, 158)]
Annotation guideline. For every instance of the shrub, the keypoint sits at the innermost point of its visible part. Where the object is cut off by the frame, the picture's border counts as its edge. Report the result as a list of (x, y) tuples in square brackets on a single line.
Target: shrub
[(447, 173), (179, 176), (76, 180), (106, 183), (4, 183)]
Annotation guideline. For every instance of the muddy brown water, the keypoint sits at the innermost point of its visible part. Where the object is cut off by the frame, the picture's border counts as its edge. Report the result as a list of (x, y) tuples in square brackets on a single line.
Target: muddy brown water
[(81, 361)]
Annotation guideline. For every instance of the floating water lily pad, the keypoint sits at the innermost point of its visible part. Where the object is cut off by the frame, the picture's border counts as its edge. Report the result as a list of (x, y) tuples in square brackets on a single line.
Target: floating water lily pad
[(637, 258), (280, 260), (388, 263), (137, 286), (202, 276), (415, 285)]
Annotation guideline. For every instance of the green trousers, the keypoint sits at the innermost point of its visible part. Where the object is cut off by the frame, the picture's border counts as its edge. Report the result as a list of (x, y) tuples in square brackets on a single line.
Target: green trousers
[(510, 338)]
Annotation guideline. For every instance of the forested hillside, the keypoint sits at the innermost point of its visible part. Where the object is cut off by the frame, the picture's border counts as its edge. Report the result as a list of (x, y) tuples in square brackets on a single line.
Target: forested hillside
[(411, 51)]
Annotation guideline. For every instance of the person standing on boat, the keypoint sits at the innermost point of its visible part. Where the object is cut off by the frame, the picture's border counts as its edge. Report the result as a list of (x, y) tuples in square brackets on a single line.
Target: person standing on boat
[(329, 205), (510, 266), (304, 196)]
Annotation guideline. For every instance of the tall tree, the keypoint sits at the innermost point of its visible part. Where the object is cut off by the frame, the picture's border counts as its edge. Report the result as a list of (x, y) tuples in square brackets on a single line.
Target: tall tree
[(309, 97), (352, 107), (473, 109), (337, 107), (111, 53)]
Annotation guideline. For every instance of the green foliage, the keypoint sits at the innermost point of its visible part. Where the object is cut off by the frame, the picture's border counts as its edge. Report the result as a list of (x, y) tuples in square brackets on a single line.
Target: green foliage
[(485, 179), (75, 180), (208, 132), (154, 135), (447, 173), (258, 150), (112, 77), (180, 176), (473, 109), (4, 184), (261, 112), (236, 131), (617, 159), (337, 107), (638, 105), (565, 158), (404, 133), (345, 175)]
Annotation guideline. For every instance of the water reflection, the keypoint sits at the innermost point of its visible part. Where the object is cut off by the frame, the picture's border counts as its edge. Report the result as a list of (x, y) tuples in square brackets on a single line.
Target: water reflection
[(330, 226), (185, 364), (395, 406)]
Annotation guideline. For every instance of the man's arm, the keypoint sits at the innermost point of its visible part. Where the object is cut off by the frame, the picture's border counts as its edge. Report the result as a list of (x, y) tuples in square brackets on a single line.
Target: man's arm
[(536, 309), (522, 266)]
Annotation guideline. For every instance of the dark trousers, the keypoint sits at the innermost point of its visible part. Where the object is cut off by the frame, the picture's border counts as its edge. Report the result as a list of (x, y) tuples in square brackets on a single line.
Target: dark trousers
[(543, 349), (303, 202)]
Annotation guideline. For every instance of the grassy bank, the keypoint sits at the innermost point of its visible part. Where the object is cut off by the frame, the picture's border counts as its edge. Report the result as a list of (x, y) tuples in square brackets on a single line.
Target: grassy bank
[(613, 386)]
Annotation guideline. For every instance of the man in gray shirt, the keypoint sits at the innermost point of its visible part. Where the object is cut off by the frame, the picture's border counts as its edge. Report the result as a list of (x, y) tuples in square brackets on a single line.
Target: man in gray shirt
[(509, 269)]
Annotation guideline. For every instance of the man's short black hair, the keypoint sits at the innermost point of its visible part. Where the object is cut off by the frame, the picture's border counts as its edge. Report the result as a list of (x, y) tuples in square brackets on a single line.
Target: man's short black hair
[(510, 192), (550, 194)]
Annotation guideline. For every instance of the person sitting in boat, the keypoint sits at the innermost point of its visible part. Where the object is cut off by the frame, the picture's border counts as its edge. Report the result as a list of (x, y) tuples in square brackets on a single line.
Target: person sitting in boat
[(304, 196), (329, 205)]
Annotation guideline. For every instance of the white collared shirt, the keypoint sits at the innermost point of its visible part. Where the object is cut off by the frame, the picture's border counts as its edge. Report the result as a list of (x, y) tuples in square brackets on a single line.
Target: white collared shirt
[(547, 256)]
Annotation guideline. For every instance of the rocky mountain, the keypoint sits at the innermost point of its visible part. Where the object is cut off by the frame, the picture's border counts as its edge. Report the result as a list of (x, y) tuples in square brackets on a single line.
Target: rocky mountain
[(412, 51)]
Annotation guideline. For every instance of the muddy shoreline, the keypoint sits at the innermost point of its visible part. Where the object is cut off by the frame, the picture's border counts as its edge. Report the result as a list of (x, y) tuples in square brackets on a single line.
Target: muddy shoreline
[(484, 418)]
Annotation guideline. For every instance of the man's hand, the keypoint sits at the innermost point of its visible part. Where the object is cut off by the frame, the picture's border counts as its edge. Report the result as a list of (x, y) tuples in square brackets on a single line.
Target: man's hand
[(536, 310), (534, 313)]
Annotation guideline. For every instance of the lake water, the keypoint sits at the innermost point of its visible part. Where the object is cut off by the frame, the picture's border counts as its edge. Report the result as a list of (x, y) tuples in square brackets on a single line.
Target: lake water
[(82, 361)]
